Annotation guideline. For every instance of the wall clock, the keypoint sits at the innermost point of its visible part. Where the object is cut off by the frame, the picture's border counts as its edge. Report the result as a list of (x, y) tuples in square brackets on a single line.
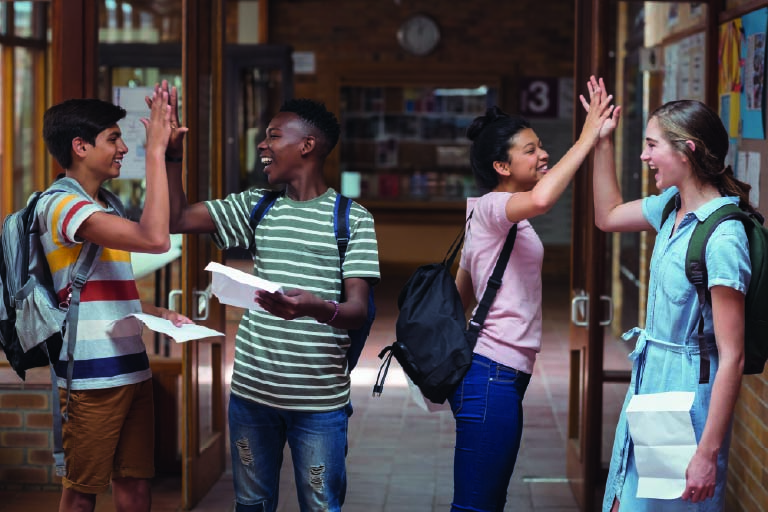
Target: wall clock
[(419, 34)]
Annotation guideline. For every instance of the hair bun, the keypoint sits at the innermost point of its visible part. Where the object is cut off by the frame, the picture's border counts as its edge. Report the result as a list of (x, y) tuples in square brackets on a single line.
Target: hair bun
[(479, 123)]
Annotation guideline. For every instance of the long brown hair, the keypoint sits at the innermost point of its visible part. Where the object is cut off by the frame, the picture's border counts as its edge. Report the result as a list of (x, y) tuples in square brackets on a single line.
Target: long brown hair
[(685, 120)]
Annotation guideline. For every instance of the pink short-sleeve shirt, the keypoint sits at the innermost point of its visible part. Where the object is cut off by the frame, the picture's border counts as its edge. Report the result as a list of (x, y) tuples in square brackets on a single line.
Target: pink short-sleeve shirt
[(511, 334)]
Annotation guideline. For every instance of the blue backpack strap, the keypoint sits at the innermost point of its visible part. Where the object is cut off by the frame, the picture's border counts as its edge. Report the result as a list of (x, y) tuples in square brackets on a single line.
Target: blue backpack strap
[(341, 225), (260, 210)]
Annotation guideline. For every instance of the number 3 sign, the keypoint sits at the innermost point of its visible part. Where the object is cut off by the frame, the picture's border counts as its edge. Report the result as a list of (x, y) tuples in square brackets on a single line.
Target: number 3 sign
[(539, 96)]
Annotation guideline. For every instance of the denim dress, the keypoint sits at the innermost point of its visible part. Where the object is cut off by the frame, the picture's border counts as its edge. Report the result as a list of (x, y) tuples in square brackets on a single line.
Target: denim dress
[(666, 355)]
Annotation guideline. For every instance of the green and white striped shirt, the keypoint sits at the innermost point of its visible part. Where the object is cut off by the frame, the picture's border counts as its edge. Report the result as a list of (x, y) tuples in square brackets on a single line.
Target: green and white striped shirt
[(295, 364)]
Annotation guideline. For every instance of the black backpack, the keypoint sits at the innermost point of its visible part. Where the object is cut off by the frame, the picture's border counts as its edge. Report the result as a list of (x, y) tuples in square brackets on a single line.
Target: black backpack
[(357, 337), (434, 342)]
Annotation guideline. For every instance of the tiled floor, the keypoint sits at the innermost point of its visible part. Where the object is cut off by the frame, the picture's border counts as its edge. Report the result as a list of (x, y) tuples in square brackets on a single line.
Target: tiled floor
[(400, 456)]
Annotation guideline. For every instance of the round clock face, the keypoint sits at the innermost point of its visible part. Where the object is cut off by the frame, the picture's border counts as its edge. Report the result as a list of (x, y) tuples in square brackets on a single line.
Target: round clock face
[(419, 34)]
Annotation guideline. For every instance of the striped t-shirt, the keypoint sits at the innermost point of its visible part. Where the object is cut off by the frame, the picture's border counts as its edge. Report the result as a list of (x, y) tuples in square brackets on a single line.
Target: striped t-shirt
[(295, 364), (107, 354)]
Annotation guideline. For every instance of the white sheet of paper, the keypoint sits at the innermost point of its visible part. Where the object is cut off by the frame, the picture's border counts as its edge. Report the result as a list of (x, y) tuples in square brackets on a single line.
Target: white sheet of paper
[(181, 334), (236, 288), (664, 442)]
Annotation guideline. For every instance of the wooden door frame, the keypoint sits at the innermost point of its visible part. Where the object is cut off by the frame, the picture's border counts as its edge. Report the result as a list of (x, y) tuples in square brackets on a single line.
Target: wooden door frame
[(202, 69)]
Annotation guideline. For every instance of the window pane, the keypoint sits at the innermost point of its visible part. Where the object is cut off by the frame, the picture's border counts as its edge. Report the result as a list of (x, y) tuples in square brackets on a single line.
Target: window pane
[(22, 19), (140, 21), (23, 126), (3, 11)]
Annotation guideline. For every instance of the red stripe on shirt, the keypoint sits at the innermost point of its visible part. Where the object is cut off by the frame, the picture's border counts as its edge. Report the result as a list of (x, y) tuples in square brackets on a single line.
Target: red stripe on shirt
[(94, 291), (71, 213)]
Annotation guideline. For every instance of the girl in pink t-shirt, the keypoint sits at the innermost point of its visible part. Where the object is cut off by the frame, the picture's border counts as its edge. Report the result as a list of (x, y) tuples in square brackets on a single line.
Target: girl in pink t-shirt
[(508, 162)]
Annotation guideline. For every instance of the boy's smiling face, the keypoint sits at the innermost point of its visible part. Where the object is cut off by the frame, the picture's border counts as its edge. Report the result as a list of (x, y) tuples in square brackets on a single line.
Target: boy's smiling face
[(281, 150), (105, 157)]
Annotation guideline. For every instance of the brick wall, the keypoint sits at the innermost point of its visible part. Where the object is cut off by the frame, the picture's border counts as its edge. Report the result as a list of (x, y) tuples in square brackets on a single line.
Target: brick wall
[(747, 471), (26, 443)]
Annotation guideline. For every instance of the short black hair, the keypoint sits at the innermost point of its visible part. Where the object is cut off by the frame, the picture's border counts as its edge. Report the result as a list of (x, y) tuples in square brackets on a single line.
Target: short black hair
[(84, 117), (316, 115)]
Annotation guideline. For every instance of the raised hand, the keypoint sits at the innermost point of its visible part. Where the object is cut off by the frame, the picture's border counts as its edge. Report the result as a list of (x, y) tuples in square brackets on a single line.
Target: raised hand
[(176, 141), (158, 125), (597, 87)]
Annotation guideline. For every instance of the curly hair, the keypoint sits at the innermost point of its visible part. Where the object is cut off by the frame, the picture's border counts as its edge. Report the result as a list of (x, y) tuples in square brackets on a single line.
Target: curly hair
[(317, 116)]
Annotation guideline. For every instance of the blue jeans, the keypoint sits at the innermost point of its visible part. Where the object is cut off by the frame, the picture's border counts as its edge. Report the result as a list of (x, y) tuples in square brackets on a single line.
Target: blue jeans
[(488, 408), (318, 443)]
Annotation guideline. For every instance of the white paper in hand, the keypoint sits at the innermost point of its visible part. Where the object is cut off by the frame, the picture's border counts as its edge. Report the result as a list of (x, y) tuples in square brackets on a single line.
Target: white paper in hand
[(237, 288), (181, 334), (664, 442)]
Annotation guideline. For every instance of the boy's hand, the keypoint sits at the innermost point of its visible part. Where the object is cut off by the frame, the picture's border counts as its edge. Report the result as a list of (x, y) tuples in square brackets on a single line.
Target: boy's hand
[(595, 89), (176, 141), (291, 304), (174, 317), (158, 126)]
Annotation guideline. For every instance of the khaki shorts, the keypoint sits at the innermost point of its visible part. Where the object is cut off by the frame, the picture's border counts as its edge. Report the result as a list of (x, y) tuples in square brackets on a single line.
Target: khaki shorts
[(110, 434)]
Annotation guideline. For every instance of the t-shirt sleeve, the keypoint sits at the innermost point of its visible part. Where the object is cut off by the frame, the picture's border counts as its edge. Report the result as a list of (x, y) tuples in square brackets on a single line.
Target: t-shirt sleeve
[(63, 213), (362, 258), (231, 216), (727, 256), (653, 206)]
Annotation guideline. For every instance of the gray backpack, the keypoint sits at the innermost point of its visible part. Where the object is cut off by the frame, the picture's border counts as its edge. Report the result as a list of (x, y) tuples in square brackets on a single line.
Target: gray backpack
[(33, 322)]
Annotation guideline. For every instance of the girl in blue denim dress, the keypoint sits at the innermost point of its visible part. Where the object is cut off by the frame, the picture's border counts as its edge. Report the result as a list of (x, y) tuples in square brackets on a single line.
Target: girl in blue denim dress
[(685, 149), (508, 162)]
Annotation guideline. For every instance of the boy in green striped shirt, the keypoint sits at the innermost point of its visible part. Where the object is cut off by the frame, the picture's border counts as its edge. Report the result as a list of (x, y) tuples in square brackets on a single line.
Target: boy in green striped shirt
[(290, 379)]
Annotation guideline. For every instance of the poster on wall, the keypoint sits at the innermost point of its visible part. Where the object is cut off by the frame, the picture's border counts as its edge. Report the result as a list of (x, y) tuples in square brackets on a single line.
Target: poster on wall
[(134, 133), (671, 70), (753, 57), (729, 83)]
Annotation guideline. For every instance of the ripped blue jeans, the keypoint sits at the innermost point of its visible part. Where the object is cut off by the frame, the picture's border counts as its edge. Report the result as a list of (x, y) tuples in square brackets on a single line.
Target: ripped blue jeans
[(317, 441)]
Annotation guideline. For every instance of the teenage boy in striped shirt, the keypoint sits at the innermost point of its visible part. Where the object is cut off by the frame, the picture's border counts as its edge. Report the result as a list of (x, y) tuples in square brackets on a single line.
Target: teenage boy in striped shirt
[(290, 379), (109, 434)]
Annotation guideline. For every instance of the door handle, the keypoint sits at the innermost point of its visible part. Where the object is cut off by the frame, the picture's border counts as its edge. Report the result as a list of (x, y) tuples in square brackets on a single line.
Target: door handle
[(609, 300), (579, 309), (203, 302), (172, 299)]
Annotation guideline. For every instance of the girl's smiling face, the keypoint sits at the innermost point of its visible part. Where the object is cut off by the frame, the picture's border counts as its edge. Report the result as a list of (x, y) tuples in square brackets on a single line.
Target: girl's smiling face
[(527, 160), (669, 165)]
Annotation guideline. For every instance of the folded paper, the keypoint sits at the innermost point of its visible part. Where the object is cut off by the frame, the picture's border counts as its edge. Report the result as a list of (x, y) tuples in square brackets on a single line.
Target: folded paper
[(664, 442)]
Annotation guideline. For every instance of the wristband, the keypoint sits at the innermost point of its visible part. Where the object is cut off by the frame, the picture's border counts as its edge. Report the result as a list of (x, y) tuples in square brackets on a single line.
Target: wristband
[(174, 159), (335, 311)]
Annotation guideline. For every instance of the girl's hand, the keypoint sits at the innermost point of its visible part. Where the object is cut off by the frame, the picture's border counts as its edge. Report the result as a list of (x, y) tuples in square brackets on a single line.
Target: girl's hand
[(158, 125), (700, 478), (609, 124)]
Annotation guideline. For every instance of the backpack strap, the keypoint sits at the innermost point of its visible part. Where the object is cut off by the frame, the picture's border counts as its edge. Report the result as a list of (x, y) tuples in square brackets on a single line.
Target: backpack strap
[(696, 270), (341, 225), (494, 283), (260, 210), (668, 209)]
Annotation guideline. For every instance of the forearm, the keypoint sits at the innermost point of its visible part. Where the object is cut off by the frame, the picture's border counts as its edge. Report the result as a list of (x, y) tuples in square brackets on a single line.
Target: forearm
[(345, 315), (725, 391), (155, 215), (549, 189), (177, 199), (605, 184)]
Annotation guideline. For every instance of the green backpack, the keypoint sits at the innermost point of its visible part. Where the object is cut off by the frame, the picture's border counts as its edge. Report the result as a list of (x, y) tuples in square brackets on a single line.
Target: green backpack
[(756, 301)]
